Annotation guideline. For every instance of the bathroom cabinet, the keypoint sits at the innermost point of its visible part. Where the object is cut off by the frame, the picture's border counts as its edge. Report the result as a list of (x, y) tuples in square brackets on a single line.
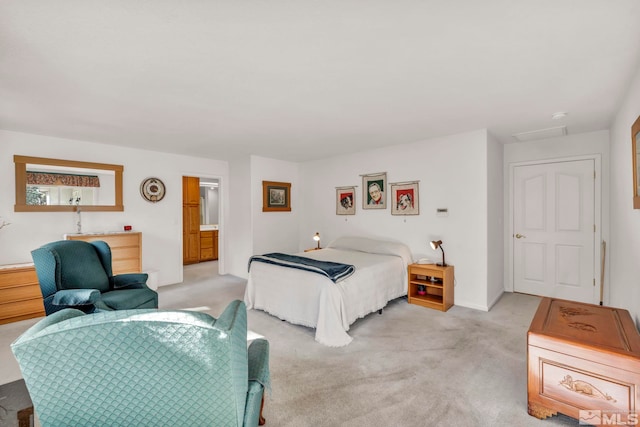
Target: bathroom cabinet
[(208, 245)]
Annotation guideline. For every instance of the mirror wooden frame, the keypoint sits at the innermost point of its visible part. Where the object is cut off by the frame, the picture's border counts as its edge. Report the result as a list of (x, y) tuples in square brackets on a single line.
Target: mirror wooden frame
[(21, 184), (635, 137)]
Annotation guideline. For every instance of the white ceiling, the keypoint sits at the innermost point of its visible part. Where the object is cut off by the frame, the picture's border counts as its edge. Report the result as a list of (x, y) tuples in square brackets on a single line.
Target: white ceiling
[(302, 79)]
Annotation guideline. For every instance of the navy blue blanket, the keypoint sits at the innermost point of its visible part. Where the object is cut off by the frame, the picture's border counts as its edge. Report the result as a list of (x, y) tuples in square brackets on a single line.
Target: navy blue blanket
[(335, 271)]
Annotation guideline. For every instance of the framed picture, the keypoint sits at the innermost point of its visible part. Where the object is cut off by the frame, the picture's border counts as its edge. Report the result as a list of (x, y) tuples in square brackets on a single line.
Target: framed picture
[(276, 196), (374, 191), (405, 198), (346, 201)]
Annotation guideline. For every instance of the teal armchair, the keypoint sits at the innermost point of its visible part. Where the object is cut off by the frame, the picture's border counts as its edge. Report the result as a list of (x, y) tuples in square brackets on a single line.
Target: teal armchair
[(78, 274), (144, 368)]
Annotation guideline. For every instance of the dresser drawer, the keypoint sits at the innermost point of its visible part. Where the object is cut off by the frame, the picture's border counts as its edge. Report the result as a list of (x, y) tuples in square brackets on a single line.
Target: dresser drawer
[(125, 266), (18, 277), (206, 254), (126, 249), (19, 293), (124, 253), (121, 240), (20, 296), (19, 310)]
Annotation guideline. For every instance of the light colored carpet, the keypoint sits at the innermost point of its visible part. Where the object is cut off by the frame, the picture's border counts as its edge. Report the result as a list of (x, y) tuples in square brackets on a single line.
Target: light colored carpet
[(410, 366)]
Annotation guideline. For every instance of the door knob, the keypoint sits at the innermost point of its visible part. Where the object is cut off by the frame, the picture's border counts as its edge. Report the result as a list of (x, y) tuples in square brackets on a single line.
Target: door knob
[(520, 236)]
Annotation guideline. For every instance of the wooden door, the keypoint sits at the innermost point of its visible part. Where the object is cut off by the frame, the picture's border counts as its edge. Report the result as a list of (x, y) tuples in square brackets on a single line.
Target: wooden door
[(191, 190), (190, 220), (554, 230)]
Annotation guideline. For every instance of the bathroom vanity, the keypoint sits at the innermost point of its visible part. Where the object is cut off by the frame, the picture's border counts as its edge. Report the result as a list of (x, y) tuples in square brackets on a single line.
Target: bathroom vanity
[(208, 243)]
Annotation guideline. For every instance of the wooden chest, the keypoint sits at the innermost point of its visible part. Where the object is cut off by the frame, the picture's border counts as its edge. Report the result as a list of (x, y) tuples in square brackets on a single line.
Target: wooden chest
[(583, 361)]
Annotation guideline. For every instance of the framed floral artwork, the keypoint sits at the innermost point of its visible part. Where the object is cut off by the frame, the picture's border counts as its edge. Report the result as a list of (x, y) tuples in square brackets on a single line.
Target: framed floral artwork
[(345, 200), (276, 196), (374, 194), (405, 198)]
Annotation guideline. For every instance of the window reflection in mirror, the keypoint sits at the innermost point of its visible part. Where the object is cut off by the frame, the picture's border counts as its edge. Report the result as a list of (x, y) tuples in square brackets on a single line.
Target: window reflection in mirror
[(55, 185), (64, 185)]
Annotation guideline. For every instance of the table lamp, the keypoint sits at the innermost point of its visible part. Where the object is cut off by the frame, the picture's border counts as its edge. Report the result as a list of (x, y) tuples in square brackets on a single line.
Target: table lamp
[(435, 244), (317, 239)]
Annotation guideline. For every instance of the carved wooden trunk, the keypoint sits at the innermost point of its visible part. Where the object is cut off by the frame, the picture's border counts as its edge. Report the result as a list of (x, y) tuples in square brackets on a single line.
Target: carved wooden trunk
[(584, 362)]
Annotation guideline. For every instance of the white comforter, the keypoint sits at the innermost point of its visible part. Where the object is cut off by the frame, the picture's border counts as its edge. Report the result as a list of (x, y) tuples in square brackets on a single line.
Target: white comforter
[(310, 299)]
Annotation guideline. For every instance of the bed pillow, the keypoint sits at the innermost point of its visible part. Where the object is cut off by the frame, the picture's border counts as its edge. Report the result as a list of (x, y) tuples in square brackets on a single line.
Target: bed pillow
[(373, 246)]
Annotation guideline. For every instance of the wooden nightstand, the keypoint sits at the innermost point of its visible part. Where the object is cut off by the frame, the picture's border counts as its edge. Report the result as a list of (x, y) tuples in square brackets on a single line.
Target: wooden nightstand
[(430, 286), (312, 249)]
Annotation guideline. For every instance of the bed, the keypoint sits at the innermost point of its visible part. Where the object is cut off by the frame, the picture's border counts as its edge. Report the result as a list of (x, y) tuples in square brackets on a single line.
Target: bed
[(309, 299)]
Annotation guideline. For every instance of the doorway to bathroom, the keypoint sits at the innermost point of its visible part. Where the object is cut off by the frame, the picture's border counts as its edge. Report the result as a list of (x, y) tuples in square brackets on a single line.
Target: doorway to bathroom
[(200, 220)]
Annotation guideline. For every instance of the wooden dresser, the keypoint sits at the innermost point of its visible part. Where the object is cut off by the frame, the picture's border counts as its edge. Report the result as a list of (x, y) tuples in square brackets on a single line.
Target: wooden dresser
[(20, 296), (126, 249), (583, 361)]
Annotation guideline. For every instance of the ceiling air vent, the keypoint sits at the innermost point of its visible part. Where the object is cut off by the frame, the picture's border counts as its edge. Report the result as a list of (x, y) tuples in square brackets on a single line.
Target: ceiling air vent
[(540, 134)]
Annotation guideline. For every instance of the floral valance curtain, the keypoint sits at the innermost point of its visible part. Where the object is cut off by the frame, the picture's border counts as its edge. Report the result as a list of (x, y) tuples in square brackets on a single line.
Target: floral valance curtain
[(47, 178)]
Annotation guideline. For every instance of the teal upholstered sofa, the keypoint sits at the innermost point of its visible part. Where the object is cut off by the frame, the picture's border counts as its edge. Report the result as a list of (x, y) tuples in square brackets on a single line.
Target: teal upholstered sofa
[(144, 368), (78, 274)]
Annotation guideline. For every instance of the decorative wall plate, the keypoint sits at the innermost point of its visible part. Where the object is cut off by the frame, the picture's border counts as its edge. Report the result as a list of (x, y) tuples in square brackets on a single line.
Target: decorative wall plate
[(152, 190)]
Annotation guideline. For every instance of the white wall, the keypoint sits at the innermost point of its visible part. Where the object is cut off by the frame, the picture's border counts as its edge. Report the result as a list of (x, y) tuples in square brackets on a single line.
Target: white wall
[(252, 231), (160, 223), (274, 231), (239, 227), (452, 172), (624, 250), (495, 221)]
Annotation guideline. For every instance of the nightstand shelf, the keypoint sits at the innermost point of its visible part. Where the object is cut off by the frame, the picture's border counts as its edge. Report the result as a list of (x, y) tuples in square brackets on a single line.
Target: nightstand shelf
[(430, 286)]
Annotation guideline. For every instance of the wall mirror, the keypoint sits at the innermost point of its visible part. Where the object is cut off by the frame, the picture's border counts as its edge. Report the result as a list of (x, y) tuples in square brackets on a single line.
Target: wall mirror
[(635, 143), (209, 201), (54, 185)]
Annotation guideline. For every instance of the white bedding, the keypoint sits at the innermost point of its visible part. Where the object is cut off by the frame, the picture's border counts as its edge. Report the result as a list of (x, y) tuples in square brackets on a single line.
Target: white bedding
[(310, 299)]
